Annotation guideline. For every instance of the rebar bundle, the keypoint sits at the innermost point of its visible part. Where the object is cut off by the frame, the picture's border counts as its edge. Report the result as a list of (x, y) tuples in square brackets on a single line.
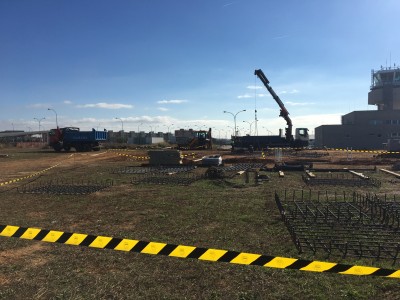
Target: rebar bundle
[(347, 225)]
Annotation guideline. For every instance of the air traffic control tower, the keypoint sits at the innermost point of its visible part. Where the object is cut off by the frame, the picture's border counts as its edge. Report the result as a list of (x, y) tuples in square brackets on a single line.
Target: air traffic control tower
[(385, 89), (370, 129)]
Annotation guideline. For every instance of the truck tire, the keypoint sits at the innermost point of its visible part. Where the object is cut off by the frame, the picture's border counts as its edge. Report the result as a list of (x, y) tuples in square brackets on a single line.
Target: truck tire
[(57, 147), (79, 148), (67, 148)]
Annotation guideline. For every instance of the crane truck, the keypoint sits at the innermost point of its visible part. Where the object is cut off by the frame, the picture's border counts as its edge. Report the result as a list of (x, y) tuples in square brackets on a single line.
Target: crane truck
[(248, 142), (71, 137)]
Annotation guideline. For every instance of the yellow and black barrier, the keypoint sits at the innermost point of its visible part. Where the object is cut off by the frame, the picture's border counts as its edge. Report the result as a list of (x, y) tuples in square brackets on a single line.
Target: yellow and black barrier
[(133, 156), (365, 151), (29, 176), (182, 251)]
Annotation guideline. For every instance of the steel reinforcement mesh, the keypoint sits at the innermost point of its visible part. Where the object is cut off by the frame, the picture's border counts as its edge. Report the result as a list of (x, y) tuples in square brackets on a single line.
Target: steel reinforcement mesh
[(352, 225), (65, 187), (344, 179), (153, 169), (166, 178)]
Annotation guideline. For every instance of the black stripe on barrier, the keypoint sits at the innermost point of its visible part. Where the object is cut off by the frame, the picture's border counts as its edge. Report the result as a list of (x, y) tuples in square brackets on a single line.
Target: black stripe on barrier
[(182, 251)]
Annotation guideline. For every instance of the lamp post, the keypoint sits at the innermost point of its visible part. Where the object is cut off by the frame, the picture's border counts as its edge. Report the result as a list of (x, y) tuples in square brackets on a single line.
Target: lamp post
[(233, 130), (56, 115), (39, 120), (268, 131), (138, 130), (122, 123), (169, 127), (122, 131), (250, 123), (234, 118)]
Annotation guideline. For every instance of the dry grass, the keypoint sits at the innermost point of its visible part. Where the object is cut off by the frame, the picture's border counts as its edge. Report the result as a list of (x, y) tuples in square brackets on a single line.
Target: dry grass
[(219, 214)]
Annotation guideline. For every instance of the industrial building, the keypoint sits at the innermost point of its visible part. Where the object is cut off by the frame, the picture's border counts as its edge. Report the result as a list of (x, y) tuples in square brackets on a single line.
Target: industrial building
[(371, 129)]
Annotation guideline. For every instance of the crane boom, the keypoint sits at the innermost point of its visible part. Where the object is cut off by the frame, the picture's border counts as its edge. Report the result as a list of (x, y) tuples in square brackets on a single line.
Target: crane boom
[(283, 113)]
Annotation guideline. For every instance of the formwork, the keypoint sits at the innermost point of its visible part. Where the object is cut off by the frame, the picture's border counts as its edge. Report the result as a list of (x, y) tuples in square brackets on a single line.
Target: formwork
[(346, 225)]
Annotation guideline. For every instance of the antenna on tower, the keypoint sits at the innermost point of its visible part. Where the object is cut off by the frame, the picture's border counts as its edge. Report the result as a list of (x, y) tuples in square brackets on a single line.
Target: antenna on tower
[(255, 108)]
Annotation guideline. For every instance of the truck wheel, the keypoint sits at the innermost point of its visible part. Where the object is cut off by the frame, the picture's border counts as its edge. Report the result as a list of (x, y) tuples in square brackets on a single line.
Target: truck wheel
[(67, 148), (57, 147)]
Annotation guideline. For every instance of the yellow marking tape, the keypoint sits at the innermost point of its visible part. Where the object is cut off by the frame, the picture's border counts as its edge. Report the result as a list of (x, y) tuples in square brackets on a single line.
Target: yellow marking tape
[(182, 251)]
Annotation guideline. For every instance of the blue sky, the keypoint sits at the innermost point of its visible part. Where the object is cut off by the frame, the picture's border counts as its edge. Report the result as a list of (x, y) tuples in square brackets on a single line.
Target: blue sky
[(156, 63)]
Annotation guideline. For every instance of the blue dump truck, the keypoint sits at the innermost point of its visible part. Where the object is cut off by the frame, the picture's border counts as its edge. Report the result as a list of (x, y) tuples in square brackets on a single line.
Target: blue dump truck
[(71, 137)]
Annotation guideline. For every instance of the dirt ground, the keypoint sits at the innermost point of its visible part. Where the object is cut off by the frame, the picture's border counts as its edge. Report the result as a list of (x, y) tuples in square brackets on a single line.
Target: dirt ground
[(225, 214)]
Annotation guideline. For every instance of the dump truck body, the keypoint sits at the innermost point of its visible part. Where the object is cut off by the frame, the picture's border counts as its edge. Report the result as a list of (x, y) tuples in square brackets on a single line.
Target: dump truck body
[(72, 137)]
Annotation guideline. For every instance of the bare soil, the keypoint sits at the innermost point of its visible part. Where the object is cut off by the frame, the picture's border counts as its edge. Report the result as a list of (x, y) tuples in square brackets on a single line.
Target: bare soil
[(225, 214)]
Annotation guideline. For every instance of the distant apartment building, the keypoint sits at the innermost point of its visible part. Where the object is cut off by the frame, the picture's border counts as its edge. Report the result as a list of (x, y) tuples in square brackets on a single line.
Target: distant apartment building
[(371, 129)]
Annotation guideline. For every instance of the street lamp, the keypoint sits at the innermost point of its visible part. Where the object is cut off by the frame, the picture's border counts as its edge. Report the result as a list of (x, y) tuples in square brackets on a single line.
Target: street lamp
[(169, 127), (250, 123), (39, 120), (122, 123), (233, 130), (234, 118), (56, 115), (268, 131)]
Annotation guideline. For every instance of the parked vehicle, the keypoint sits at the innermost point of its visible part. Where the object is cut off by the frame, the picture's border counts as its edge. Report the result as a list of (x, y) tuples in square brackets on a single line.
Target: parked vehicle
[(301, 138), (71, 137), (193, 139)]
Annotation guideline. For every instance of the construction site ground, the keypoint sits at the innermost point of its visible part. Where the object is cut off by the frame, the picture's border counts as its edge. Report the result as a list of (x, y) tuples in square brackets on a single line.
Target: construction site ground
[(235, 212)]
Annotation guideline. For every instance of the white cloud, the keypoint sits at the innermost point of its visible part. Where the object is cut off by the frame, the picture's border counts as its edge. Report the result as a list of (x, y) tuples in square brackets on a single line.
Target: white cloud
[(254, 87), (245, 96), (163, 109), (171, 101), (38, 105), (252, 96), (263, 95), (67, 102), (299, 103), (105, 105), (294, 91)]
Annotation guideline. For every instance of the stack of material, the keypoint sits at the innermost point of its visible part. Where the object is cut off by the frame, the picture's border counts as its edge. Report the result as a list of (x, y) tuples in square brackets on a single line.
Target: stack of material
[(164, 157)]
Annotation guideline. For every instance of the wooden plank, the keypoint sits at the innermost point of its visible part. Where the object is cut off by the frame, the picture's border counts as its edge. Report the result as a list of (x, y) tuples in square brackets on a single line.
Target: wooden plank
[(390, 172), (361, 175), (310, 174)]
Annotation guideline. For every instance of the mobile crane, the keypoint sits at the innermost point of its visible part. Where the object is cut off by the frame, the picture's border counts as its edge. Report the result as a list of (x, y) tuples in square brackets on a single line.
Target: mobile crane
[(301, 138)]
